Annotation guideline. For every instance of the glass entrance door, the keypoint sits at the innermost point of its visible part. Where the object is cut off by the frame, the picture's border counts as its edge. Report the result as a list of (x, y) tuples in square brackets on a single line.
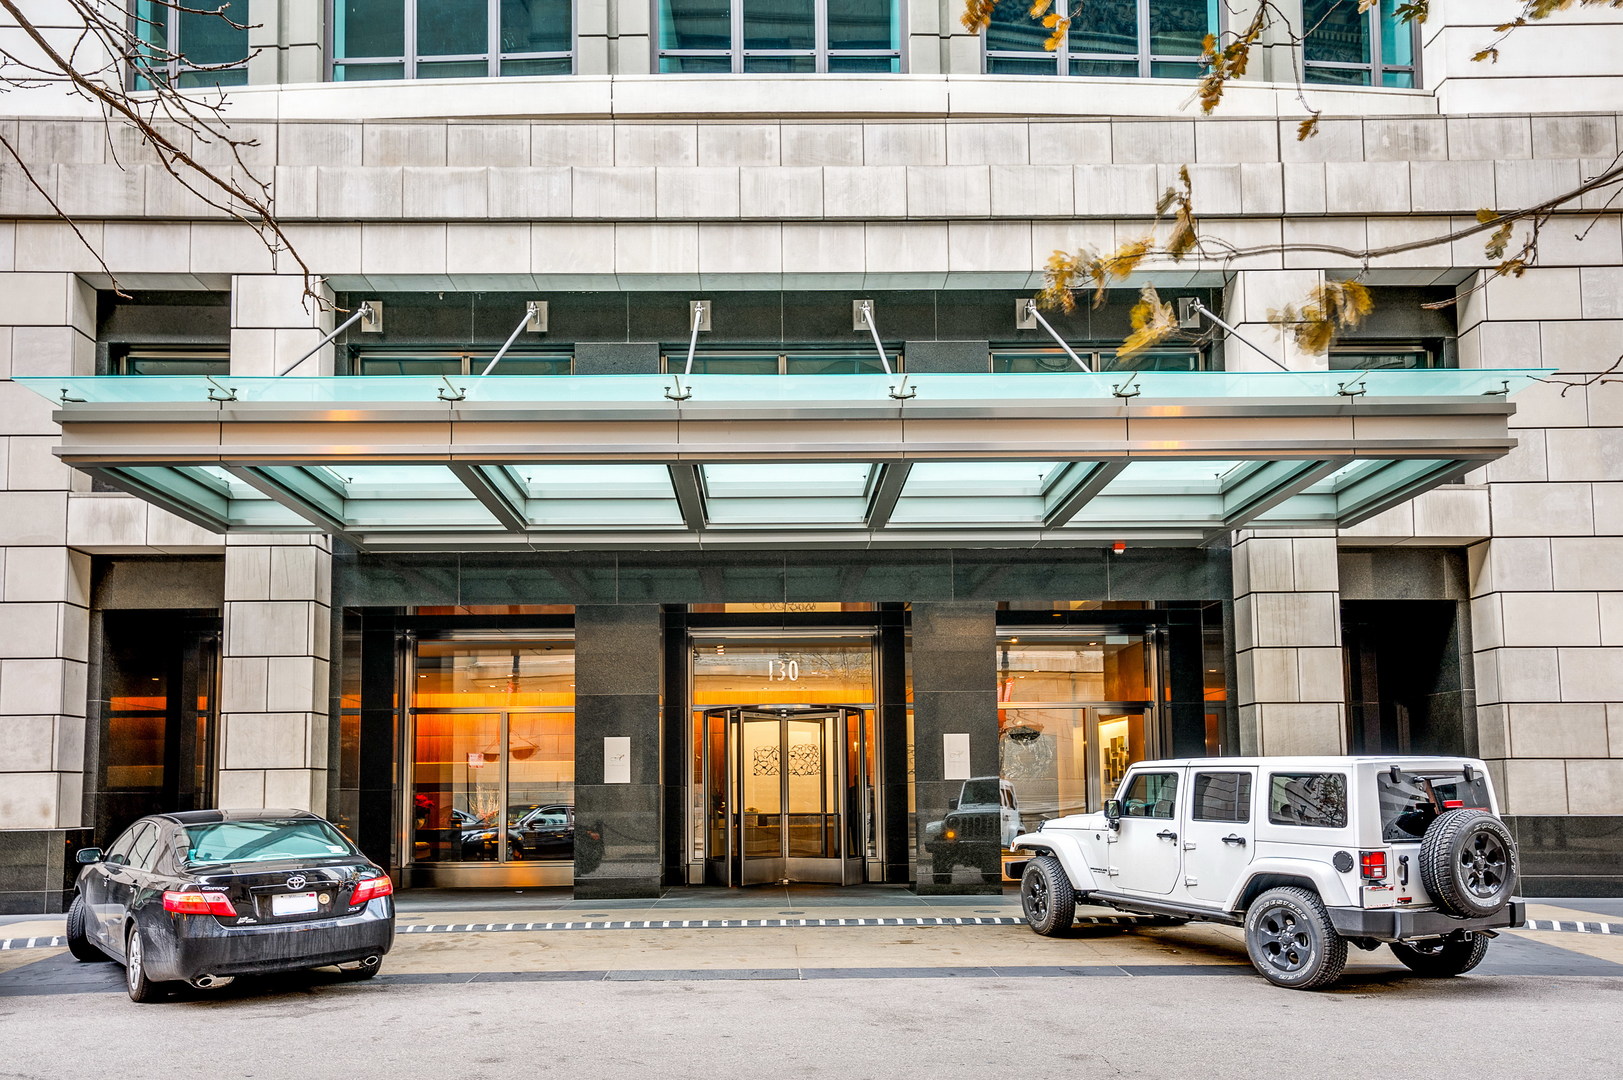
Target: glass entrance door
[(779, 789)]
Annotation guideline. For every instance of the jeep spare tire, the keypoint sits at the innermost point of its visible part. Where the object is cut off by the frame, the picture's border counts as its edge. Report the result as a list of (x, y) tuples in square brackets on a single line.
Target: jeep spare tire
[(1468, 863)]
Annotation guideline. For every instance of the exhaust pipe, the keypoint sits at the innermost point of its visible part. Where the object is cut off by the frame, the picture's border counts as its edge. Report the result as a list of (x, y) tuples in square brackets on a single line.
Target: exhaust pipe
[(371, 961), (205, 982)]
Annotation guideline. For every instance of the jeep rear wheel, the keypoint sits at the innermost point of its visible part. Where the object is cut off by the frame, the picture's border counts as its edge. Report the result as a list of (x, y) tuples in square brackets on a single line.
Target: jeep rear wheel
[(1468, 863), (1291, 940), (1440, 958), (1046, 897)]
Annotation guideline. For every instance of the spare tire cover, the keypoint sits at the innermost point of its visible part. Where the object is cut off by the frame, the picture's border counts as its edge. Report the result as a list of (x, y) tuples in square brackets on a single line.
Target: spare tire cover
[(1468, 863)]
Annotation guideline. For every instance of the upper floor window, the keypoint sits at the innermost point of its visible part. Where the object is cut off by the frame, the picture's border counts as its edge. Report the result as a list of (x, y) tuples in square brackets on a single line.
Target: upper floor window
[(1023, 359), (698, 36), (1160, 39), (806, 362), (189, 48), (156, 360), (385, 361), (451, 39), (1371, 49)]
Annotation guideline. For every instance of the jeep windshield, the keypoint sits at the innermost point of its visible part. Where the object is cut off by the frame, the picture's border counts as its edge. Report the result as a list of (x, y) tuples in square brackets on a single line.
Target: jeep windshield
[(1412, 802)]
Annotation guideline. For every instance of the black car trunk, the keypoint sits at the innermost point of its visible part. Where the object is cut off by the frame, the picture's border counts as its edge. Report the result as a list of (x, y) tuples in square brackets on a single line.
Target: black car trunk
[(281, 891)]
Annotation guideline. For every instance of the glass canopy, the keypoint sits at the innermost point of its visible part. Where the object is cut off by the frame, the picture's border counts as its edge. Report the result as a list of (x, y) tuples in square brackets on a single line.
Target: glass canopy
[(421, 463)]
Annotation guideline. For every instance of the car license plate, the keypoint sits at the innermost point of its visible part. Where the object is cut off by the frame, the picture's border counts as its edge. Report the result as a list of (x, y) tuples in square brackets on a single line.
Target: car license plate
[(1379, 896), (299, 903)]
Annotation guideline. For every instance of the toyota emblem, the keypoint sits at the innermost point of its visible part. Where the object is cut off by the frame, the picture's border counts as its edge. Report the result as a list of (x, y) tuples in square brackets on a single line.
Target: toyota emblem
[(296, 882)]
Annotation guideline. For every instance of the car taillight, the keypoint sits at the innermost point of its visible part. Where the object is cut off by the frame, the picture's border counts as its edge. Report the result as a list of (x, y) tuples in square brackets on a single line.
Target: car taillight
[(1373, 865), (1453, 804), (197, 902), (371, 888)]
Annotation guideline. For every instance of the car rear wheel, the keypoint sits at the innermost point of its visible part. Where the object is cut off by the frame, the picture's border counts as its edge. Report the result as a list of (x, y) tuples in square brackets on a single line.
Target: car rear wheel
[(1468, 863), (1440, 958), (78, 943), (1047, 898), (1291, 940), (141, 988)]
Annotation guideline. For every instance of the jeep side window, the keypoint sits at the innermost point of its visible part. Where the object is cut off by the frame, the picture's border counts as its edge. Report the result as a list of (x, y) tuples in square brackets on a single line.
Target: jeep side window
[(1222, 796), (1318, 800), (1150, 795)]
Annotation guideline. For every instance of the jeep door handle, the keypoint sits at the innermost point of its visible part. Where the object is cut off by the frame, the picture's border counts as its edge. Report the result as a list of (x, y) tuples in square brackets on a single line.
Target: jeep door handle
[(1166, 835), (1237, 841)]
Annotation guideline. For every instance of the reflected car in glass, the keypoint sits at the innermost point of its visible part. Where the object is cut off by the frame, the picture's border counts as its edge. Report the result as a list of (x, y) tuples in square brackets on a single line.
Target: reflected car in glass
[(203, 896), (534, 831)]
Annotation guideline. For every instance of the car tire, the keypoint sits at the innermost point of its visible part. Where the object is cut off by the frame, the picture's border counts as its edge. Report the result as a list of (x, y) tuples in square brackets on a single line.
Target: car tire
[(78, 944), (1291, 941), (141, 988), (1047, 899), (1440, 958), (1468, 863)]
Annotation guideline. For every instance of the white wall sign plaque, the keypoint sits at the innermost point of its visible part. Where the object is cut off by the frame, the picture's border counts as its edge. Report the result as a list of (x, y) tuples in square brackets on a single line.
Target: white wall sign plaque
[(955, 755), (617, 760)]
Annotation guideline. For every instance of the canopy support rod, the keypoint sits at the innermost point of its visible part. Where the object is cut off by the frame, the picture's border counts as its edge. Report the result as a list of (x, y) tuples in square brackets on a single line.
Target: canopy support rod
[(1200, 308), (1031, 309), (362, 312), (529, 313), (867, 317), (693, 337)]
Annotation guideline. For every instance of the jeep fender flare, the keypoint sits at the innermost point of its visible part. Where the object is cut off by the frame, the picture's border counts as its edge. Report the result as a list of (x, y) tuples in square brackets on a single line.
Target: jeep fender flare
[(1275, 871), (1067, 849)]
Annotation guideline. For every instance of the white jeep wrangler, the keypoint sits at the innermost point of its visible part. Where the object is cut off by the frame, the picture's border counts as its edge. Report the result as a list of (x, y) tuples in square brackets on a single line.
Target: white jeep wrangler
[(1308, 854)]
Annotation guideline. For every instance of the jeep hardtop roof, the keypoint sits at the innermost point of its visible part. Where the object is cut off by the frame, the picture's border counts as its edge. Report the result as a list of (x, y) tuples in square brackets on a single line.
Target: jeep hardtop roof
[(1311, 761)]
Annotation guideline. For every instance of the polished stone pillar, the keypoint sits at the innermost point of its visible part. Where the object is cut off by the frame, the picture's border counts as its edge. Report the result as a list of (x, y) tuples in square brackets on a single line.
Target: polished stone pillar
[(617, 697), (954, 701)]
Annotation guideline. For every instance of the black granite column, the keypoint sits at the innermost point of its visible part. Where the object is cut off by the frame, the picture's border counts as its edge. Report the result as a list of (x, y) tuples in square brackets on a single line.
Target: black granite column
[(617, 695), (930, 357), (954, 693)]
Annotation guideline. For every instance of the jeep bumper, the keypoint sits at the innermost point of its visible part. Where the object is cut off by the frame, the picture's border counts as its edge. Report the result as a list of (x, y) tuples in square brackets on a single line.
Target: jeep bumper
[(1404, 924)]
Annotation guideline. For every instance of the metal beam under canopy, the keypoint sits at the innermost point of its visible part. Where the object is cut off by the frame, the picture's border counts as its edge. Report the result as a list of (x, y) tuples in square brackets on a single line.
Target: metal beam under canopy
[(561, 462)]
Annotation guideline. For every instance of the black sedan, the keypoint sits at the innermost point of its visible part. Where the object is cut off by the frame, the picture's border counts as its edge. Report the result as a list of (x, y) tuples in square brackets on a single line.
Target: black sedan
[(206, 895)]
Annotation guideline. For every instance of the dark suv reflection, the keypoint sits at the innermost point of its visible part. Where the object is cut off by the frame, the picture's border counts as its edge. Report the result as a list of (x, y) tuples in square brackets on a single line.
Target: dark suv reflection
[(534, 831)]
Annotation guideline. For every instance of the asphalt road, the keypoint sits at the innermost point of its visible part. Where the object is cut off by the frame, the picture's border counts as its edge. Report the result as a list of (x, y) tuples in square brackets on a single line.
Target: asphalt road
[(1376, 1024)]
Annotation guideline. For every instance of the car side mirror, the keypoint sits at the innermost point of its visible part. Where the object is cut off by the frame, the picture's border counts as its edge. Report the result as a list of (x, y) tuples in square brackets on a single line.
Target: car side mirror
[(86, 856), (952, 804), (1113, 812)]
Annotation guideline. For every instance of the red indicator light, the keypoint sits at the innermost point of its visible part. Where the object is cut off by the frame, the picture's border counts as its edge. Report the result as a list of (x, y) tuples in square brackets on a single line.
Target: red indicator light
[(1453, 804), (196, 902), (371, 888)]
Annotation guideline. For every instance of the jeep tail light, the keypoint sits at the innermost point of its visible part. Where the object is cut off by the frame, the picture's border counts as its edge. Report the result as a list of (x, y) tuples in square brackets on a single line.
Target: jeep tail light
[(1453, 804), (1373, 865), (197, 902), (371, 888)]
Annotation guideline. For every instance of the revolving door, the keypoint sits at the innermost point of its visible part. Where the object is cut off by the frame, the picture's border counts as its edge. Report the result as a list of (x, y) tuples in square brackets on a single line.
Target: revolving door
[(782, 794)]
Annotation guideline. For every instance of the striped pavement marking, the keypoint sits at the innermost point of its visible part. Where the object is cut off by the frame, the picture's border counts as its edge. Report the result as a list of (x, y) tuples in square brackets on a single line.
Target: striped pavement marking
[(1559, 926)]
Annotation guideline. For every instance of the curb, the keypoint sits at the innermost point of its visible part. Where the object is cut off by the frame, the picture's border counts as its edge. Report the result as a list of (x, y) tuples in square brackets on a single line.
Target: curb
[(1559, 926)]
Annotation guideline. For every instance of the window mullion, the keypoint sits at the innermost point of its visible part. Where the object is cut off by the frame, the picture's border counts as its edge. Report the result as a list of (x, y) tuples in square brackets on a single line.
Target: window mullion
[(1143, 39), (410, 37), (820, 35), (493, 38), (738, 36), (1375, 29), (172, 20)]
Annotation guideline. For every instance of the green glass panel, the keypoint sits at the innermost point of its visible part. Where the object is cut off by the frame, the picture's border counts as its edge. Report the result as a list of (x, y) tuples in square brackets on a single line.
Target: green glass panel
[(780, 480), (145, 365), (695, 65), (1179, 27), (196, 79), (369, 28), (1106, 26), (1013, 29), (779, 64), (727, 365), (695, 24), (1037, 361), (862, 24), (410, 365), (1008, 65), (1334, 31), (1397, 36), (1105, 69), (1355, 359), (528, 365), (979, 478), (152, 26), (1401, 79), (864, 65), (851, 364), (1338, 76), (531, 26), (779, 24), (368, 72), (1152, 360), (207, 38), (559, 66), (453, 69), (1166, 69), (452, 27)]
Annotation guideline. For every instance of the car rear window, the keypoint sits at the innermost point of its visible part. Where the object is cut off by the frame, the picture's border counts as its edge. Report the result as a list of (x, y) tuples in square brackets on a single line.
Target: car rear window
[(262, 841), (1412, 802), (1316, 800)]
